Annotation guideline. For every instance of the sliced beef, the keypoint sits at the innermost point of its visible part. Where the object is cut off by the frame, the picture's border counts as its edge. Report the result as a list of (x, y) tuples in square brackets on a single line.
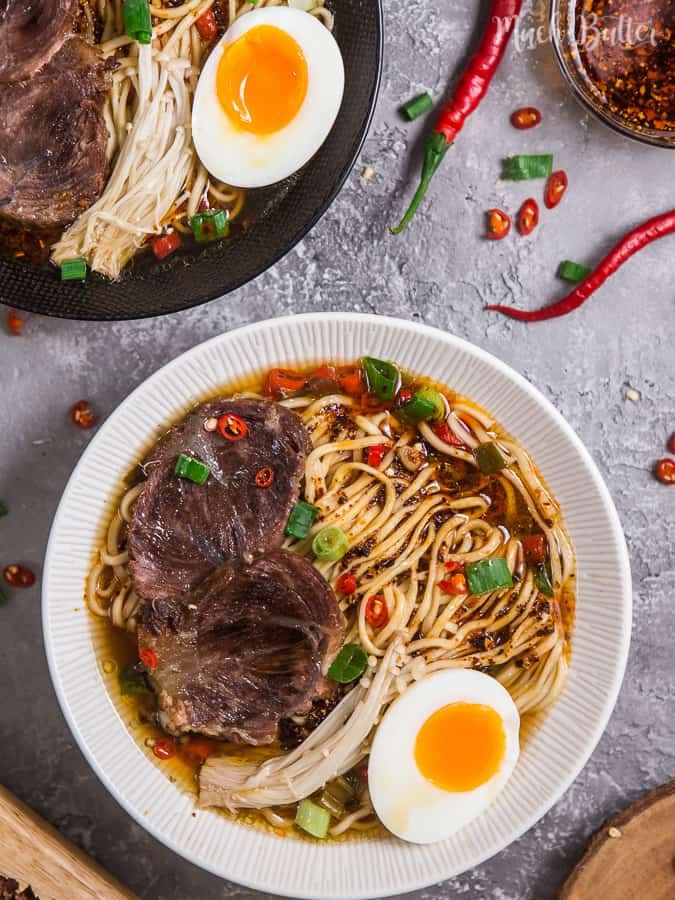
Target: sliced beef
[(243, 650), (53, 138), (9, 890), (31, 32), (180, 530)]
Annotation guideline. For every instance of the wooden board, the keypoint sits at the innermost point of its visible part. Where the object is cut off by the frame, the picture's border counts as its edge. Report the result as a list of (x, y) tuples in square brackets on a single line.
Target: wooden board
[(32, 852), (632, 857)]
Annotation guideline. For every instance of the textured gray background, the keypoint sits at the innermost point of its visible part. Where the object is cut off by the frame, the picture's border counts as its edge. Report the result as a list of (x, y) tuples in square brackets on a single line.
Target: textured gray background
[(441, 272)]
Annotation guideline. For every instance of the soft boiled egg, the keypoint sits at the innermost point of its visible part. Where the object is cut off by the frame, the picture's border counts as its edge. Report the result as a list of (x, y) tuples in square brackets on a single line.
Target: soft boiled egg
[(267, 97), (442, 753)]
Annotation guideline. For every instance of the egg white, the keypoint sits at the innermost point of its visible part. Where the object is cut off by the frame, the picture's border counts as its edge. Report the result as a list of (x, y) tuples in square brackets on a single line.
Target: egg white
[(407, 803), (247, 160)]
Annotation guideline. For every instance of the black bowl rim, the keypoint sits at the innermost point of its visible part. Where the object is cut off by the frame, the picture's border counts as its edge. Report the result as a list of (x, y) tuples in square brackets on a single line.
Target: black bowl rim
[(320, 212)]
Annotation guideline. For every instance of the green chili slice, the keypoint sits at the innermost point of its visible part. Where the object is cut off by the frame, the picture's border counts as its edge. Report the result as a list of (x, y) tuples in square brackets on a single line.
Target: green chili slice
[(488, 458), (488, 575), (137, 21), (424, 405), (301, 519), (543, 580), (382, 378), (330, 544), (192, 469), (132, 680), (416, 107), (210, 225), (349, 664), (74, 269), (520, 168), (572, 271), (312, 818)]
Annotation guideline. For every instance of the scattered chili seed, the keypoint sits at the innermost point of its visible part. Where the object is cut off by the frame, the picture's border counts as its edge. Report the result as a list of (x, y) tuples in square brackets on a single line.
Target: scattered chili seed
[(210, 424), (376, 612), (148, 657), (232, 428), (264, 477), (164, 748), (525, 117), (498, 224), (14, 323), (82, 415), (346, 583), (528, 216), (665, 471), (18, 576)]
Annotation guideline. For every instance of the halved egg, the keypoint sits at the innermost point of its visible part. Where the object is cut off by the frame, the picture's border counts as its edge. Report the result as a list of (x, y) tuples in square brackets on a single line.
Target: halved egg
[(442, 753), (267, 97)]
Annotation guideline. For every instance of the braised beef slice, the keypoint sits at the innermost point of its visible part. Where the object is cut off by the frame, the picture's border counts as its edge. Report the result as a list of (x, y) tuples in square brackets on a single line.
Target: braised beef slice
[(9, 890), (180, 530), (243, 650), (31, 32), (53, 138)]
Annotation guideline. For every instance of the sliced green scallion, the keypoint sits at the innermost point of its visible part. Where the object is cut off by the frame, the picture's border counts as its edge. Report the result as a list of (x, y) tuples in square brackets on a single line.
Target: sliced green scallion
[(132, 680), (520, 168), (312, 818), (543, 580), (426, 404), (349, 664), (301, 519), (488, 575), (74, 269), (382, 378), (192, 469), (330, 544), (489, 458), (210, 225), (572, 271), (137, 21), (416, 107)]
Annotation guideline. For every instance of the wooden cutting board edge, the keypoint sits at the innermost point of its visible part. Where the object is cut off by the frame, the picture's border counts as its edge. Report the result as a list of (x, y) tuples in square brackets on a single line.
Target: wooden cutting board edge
[(602, 836)]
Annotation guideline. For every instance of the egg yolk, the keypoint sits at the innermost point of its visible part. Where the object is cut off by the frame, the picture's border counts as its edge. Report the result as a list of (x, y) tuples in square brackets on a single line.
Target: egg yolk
[(460, 746), (262, 80)]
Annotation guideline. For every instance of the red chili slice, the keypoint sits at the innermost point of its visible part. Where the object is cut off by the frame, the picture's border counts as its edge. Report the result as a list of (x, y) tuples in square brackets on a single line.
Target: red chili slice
[(148, 657), (499, 224), (534, 548), (377, 613), (346, 583), (284, 382), (207, 26), (454, 566), (164, 748), (404, 395), (166, 244), (376, 455), (82, 415), (18, 576), (264, 477), (196, 751), (350, 380), (232, 428), (665, 471), (555, 188), (14, 322), (528, 216), (443, 432), (456, 584), (525, 117)]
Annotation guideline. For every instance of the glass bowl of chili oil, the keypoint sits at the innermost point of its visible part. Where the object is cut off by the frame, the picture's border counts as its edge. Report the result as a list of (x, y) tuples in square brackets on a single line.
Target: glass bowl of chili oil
[(618, 57)]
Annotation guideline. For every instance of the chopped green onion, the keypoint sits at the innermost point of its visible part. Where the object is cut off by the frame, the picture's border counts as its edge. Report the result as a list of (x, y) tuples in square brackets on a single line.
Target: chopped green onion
[(210, 225), (572, 271), (488, 458), (425, 404), (543, 580), (132, 680), (330, 544), (137, 21), (488, 575), (349, 664), (3, 509), (416, 107), (382, 378), (74, 269), (331, 803), (312, 818), (519, 168), (301, 519), (192, 469)]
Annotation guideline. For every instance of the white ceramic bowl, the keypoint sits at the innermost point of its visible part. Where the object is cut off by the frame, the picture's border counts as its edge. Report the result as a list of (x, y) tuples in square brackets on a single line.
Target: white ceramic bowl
[(552, 757)]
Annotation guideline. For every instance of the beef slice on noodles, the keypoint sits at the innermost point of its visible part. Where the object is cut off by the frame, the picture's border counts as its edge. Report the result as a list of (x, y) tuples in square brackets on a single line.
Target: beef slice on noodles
[(245, 649), (181, 530), (31, 33)]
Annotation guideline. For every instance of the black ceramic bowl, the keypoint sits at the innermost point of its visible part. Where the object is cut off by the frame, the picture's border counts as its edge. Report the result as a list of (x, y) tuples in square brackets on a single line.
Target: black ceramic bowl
[(150, 288)]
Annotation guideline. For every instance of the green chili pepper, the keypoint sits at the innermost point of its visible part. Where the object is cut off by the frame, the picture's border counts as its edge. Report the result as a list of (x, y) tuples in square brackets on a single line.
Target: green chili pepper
[(330, 544), (382, 378), (416, 107), (210, 225), (488, 575), (488, 458), (301, 519), (572, 271), (74, 269), (349, 664), (520, 168)]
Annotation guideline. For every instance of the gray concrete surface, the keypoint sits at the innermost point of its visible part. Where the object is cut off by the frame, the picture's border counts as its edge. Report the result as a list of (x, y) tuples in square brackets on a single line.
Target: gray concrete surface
[(441, 272)]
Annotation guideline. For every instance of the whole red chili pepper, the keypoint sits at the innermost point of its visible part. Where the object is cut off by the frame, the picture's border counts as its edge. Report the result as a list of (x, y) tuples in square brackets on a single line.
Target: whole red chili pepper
[(635, 240), (472, 87)]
